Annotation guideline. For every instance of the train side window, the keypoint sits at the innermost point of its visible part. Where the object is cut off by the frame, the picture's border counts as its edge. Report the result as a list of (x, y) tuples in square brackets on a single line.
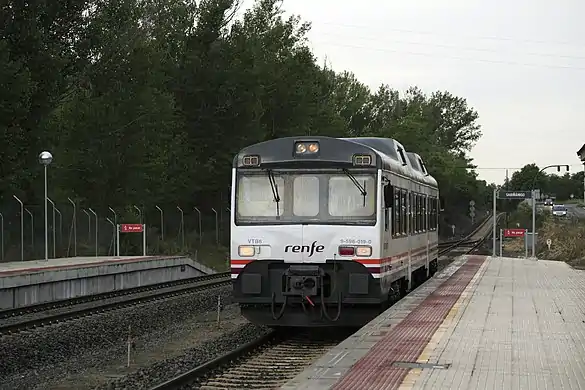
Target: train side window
[(424, 214), (403, 216), (431, 213), (423, 211), (434, 210), (410, 213), (415, 213), (396, 213), (419, 213), (418, 210)]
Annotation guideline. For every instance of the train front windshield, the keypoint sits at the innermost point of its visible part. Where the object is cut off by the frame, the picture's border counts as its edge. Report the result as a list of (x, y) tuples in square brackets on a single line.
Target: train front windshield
[(279, 197)]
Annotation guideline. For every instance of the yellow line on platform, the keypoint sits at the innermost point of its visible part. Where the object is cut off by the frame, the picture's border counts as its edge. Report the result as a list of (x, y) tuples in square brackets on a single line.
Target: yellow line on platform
[(414, 374)]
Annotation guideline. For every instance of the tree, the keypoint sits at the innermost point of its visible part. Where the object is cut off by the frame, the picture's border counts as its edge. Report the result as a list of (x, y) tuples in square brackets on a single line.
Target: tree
[(145, 103), (561, 187)]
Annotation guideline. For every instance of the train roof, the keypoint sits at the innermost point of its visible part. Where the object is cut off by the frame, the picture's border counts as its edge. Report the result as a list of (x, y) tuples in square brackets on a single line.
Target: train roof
[(386, 154), (390, 147)]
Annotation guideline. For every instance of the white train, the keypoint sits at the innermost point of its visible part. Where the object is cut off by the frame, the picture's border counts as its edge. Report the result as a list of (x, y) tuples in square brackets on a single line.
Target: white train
[(329, 231)]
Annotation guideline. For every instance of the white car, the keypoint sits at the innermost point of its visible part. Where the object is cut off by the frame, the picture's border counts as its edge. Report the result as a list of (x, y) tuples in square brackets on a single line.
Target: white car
[(559, 210)]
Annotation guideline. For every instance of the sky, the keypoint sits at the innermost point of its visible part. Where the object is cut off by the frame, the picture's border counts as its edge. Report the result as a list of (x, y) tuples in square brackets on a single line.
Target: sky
[(520, 64)]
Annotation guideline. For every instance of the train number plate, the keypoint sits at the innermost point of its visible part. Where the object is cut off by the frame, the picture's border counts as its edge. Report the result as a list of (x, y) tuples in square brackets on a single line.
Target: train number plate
[(355, 241)]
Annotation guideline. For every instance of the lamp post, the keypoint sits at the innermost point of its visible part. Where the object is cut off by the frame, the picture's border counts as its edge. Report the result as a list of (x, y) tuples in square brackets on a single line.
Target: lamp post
[(534, 203), (46, 158), (54, 235)]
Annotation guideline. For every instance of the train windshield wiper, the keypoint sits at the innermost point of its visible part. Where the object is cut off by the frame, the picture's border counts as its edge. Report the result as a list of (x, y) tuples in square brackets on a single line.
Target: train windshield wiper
[(274, 188), (357, 184)]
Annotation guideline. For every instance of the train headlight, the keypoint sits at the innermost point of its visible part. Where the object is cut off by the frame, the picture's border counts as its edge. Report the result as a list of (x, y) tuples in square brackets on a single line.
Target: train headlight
[(363, 251), (246, 251), (250, 161), (359, 159), (313, 148), (307, 148)]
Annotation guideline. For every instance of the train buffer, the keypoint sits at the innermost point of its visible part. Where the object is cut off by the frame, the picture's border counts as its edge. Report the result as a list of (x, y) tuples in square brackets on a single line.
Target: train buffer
[(481, 323)]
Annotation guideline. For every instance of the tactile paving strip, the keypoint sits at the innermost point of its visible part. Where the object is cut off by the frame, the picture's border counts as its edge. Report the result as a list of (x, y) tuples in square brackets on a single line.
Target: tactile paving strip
[(405, 342)]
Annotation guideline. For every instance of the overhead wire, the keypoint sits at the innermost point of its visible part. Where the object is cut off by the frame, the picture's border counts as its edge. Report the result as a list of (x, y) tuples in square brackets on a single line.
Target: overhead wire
[(379, 48), (478, 49), (483, 37), (436, 55)]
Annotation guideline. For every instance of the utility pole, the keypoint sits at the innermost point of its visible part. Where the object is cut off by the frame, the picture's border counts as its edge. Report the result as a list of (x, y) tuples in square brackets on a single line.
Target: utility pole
[(507, 188)]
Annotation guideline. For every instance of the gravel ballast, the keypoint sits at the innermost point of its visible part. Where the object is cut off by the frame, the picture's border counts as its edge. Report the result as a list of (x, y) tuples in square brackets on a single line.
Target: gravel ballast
[(91, 351), (171, 367)]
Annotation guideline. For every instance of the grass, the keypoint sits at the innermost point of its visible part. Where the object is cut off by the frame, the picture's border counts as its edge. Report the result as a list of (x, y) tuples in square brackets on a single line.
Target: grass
[(567, 236), (567, 241)]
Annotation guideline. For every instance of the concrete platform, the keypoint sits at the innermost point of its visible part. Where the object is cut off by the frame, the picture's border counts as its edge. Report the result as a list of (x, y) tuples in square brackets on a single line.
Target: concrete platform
[(482, 323), (31, 282)]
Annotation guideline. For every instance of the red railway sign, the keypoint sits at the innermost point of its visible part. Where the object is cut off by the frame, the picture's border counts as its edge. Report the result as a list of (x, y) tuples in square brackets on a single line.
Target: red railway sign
[(131, 228), (514, 232)]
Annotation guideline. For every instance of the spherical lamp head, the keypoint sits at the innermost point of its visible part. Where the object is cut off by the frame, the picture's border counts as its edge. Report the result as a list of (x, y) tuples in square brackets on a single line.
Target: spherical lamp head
[(45, 158)]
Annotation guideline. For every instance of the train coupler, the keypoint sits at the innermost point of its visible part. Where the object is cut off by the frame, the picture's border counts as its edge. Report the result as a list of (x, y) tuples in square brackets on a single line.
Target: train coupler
[(303, 281)]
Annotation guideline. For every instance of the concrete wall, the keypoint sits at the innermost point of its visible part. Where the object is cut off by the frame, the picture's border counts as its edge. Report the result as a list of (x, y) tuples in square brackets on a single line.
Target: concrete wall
[(23, 289)]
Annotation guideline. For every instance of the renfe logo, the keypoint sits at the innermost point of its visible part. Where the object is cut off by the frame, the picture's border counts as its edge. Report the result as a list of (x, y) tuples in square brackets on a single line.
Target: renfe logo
[(305, 248)]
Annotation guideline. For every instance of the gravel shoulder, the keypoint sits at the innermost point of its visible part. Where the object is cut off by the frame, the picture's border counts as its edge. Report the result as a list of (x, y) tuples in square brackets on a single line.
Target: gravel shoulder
[(87, 352), (151, 348)]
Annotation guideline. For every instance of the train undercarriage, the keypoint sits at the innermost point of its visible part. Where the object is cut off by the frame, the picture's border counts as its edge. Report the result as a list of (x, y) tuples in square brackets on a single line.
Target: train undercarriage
[(335, 293)]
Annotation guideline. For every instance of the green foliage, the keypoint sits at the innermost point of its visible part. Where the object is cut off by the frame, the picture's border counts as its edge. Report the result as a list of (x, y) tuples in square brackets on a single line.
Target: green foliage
[(551, 182), (522, 218), (568, 241), (145, 103)]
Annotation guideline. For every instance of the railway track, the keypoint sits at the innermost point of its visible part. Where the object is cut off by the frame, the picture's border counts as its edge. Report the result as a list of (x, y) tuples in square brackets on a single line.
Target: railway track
[(8, 326), (273, 359), (472, 241), (265, 363)]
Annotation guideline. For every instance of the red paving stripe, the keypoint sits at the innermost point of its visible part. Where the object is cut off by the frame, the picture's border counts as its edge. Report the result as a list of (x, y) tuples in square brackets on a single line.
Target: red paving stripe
[(406, 341)]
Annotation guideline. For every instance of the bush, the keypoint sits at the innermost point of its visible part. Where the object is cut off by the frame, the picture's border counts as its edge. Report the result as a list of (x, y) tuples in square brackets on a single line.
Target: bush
[(568, 241)]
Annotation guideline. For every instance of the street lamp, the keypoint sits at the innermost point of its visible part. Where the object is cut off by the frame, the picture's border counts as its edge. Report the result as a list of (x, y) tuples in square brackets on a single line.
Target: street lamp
[(46, 158)]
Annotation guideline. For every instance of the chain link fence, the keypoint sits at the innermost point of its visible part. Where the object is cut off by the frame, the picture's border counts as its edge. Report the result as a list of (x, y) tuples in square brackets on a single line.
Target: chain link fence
[(72, 231)]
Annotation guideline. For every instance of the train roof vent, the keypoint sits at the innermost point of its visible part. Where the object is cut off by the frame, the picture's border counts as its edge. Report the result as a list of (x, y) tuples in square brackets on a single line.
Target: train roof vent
[(413, 161), (423, 166)]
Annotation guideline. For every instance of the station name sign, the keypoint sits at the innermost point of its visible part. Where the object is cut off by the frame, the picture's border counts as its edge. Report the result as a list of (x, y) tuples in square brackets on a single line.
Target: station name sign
[(515, 194)]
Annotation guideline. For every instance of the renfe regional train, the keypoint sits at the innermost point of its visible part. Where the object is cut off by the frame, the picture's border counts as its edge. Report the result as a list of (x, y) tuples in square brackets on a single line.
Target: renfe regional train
[(329, 231)]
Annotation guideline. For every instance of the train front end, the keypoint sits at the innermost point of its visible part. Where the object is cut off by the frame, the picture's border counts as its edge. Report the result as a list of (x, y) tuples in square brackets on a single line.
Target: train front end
[(304, 245)]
